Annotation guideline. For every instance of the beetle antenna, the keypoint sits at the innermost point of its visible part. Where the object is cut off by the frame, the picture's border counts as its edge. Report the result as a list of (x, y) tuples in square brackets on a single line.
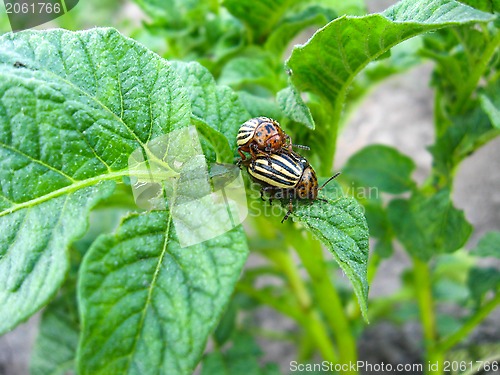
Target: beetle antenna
[(327, 181)]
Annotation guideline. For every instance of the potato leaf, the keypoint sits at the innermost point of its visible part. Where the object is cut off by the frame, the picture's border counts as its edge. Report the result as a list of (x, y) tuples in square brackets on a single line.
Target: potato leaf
[(70, 115), (428, 226), (293, 106), (382, 167), (147, 304), (217, 106), (328, 62), (340, 224)]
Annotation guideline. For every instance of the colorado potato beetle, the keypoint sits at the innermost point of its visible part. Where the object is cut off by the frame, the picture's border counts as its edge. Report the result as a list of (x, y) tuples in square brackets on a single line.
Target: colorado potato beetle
[(288, 176), (262, 135)]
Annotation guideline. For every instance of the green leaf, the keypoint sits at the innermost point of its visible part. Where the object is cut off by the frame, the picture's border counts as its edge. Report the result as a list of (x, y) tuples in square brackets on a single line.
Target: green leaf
[(242, 71), (462, 56), (260, 16), (216, 106), (69, 117), (293, 106), (242, 358), (491, 110), (260, 106), (227, 324), (447, 324), (446, 290), (55, 347), (148, 304), (288, 28), (380, 228), (215, 139), (482, 280), (488, 246), (176, 14), (340, 224), (466, 134), (56, 344), (328, 62), (402, 58), (484, 5), (427, 226), (352, 7), (382, 167)]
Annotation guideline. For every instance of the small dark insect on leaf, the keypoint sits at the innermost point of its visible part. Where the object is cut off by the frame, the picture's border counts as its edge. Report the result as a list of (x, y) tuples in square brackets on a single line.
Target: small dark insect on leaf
[(18, 64)]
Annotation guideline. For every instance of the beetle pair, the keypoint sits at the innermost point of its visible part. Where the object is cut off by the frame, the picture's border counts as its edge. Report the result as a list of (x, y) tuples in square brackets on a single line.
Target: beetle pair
[(283, 173)]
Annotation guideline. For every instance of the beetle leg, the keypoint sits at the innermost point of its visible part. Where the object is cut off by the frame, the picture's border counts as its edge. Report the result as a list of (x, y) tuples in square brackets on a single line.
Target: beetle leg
[(254, 149), (290, 210), (265, 189), (243, 156)]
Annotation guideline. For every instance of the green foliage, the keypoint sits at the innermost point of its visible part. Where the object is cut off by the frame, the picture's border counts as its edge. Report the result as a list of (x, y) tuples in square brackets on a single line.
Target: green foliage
[(55, 349), (93, 120), (74, 106), (488, 246), (428, 225), (215, 109), (157, 300), (241, 358), (382, 167), (482, 280), (57, 341), (380, 227), (293, 106), (339, 223), (327, 64)]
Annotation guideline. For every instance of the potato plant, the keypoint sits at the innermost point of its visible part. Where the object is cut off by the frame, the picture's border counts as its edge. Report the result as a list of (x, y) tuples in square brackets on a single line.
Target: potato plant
[(120, 293)]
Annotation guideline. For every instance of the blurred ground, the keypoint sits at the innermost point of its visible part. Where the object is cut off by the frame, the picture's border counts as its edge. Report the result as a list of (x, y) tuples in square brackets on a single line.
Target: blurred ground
[(397, 113)]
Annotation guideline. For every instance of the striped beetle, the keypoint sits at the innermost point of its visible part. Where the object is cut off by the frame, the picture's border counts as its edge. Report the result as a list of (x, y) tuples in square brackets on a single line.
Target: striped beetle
[(288, 176), (262, 135)]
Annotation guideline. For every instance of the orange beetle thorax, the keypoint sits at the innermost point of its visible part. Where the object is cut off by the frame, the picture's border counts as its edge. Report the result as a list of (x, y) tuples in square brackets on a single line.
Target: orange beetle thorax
[(269, 137)]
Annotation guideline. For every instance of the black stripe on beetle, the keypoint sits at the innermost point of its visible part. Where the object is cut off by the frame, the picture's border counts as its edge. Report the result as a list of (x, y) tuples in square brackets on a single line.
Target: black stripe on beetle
[(303, 184)]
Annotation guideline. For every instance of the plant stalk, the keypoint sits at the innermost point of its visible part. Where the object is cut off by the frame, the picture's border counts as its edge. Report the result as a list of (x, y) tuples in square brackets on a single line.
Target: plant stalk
[(311, 321), (450, 341), (471, 83), (423, 291), (327, 297)]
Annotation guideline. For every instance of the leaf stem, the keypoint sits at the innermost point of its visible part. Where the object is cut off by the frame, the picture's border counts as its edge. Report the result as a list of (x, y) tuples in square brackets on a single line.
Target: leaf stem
[(471, 83), (450, 341), (423, 291), (311, 321), (327, 297), (295, 281)]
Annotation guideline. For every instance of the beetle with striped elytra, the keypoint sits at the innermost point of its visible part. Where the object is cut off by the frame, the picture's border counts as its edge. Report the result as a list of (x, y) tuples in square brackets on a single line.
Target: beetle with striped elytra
[(262, 136), (287, 175)]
